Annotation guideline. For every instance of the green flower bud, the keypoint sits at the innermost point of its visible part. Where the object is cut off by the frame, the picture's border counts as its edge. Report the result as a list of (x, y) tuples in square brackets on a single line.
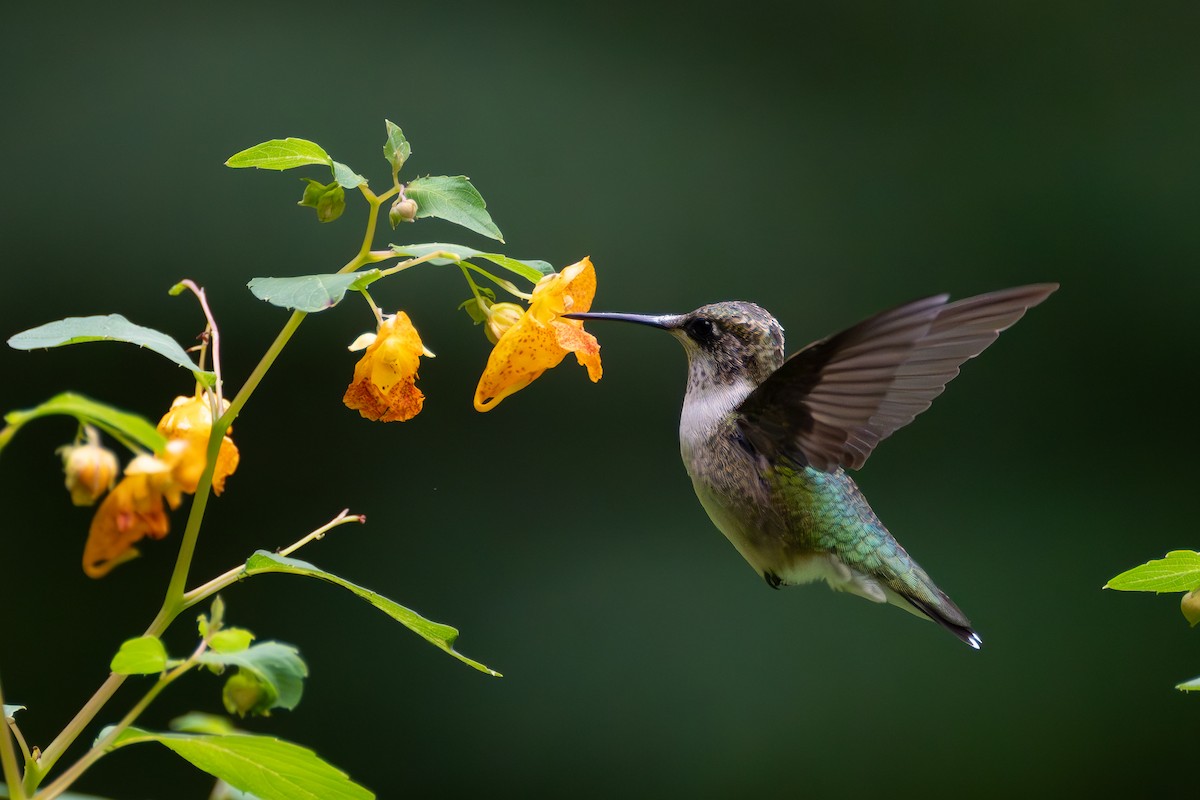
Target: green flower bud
[(403, 210), (245, 694), (328, 199), (1190, 606)]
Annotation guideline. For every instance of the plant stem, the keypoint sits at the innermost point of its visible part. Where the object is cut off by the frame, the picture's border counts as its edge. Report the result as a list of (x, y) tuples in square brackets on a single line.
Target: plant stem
[(8, 760), (173, 602), (232, 576), (100, 748)]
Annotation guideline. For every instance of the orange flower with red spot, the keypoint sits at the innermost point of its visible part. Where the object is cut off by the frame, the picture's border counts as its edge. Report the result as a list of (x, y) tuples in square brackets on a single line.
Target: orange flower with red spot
[(133, 510), (137, 505), (540, 339), (384, 386)]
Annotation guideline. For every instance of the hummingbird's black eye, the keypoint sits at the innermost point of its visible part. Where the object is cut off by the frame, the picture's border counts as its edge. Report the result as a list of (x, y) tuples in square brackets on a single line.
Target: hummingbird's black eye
[(702, 331)]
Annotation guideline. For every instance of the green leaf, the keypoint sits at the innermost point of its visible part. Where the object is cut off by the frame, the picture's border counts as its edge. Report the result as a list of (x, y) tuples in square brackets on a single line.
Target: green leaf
[(530, 269), (144, 655), (10, 710), (453, 199), (329, 199), (396, 149), (281, 154), (266, 767), (277, 665), (198, 722), (110, 327), (311, 293), (1178, 572), (346, 177), (1190, 686), (230, 640), (119, 424), (435, 633)]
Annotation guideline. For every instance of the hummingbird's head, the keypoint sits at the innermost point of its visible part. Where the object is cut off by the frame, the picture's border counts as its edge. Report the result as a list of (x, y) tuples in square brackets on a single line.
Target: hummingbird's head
[(726, 343)]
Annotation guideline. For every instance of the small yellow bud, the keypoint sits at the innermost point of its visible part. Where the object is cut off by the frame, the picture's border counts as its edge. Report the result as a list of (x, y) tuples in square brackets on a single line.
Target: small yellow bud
[(501, 317), (91, 469), (1190, 606)]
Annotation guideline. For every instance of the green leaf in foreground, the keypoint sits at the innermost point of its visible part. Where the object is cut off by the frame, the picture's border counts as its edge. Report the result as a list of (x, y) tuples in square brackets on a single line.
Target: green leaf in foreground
[(111, 328), (1178, 572), (396, 149), (144, 655), (199, 722), (530, 269), (1190, 686), (119, 424), (435, 633), (281, 154), (454, 199), (310, 293), (268, 768)]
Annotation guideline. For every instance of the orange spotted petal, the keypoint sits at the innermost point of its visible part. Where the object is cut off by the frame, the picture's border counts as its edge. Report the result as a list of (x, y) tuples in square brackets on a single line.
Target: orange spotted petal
[(384, 385)]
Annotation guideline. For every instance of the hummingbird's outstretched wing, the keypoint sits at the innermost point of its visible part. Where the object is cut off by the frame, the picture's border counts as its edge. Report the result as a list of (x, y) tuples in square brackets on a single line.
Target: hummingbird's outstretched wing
[(831, 403)]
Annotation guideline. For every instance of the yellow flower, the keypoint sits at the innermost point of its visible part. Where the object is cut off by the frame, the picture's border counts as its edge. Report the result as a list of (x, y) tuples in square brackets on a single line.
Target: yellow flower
[(190, 421), (384, 386), (541, 339), (133, 509)]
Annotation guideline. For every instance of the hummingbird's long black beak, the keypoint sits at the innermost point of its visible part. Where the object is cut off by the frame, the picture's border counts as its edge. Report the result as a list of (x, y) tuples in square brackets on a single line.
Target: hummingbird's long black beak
[(665, 321)]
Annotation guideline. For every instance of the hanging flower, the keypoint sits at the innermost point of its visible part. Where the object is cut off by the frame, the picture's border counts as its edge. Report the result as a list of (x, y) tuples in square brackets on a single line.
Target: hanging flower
[(540, 339), (384, 386), (137, 505), (90, 468), (190, 421), (133, 510)]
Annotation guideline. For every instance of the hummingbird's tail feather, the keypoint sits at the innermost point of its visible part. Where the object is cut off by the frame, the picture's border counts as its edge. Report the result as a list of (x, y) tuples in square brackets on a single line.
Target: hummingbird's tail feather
[(964, 632)]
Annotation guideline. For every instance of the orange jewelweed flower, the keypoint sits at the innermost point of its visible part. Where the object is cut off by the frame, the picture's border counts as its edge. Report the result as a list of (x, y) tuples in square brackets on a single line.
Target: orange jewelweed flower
[(190, 421), (132, 510), (384, 386), (541, 339)]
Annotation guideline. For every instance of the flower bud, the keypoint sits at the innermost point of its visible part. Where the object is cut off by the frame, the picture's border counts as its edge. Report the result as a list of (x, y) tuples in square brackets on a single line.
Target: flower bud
[(403, 210), (91, 469), (501, 317), (245, 694), (329, 200), (1190, 606)]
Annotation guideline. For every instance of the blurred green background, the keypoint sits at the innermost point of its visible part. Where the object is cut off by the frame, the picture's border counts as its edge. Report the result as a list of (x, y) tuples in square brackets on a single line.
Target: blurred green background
[(826, 160)]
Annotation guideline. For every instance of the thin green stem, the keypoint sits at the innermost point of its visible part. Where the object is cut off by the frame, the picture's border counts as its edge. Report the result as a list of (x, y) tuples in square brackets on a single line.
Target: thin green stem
[(100, 748), (8, 759), (228, 578), (507, 286)]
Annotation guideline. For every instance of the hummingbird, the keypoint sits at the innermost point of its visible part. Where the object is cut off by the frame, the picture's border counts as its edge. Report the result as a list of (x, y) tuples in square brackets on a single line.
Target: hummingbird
[(767, 441)]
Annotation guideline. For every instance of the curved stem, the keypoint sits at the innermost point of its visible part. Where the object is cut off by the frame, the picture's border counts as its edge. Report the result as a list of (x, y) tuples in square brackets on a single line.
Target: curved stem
[(206, 590)]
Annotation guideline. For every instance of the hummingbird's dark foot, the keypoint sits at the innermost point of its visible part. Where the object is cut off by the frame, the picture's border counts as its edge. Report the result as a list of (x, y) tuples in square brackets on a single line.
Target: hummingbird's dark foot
[(773, 580)]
